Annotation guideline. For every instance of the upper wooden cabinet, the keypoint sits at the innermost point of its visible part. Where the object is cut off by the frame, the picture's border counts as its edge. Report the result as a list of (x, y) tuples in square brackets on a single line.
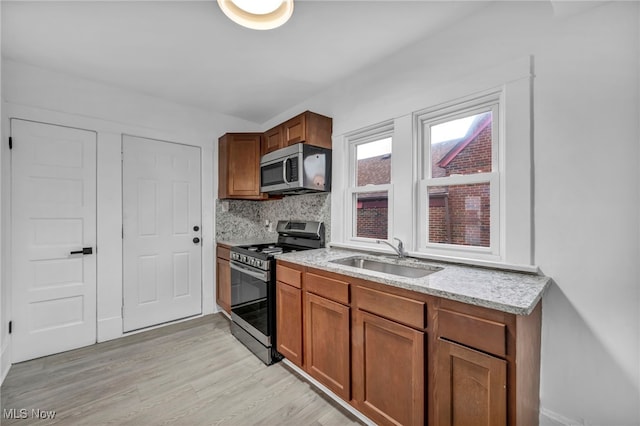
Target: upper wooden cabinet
[(294, 130), (308, 127), (239, 166), (239, 153), (273, 139)]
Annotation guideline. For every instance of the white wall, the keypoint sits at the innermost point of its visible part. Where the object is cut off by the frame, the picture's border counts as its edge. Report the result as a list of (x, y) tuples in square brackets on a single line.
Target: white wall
[(587, 185), (4, 358), (36, 94), (587, 215)]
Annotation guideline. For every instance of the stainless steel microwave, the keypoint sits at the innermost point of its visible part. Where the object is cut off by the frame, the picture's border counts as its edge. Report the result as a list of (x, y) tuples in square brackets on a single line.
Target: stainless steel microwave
[(296, 169)]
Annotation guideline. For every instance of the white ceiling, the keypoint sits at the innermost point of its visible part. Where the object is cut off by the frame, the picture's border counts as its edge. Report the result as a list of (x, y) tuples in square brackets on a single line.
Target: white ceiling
[(190, 53)]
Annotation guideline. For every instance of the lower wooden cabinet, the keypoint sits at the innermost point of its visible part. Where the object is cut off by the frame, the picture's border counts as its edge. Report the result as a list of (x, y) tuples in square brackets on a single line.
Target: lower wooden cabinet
[(472, 387), (326, 343), (223, 279), (404, 358), (289, 322), (388, 370)]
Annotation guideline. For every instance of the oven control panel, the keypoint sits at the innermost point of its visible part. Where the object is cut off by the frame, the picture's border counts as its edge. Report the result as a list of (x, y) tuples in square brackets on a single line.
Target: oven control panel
[(249, 260)]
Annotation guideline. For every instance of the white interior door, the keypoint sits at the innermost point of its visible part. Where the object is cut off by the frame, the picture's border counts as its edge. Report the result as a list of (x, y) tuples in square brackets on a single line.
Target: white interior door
[(162, 231), (53, 213)]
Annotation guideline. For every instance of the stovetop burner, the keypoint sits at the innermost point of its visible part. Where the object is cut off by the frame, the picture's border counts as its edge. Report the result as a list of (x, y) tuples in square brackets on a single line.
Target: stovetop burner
[(273, 250), (264, 248), (292, 236)]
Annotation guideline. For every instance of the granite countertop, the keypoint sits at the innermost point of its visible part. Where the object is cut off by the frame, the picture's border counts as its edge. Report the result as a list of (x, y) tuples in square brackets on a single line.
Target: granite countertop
[(246, 242), (511, 292)]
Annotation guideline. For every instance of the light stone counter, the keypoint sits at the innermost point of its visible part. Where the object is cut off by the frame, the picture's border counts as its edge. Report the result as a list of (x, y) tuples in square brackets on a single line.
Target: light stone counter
[(512, 292), (246, 242)]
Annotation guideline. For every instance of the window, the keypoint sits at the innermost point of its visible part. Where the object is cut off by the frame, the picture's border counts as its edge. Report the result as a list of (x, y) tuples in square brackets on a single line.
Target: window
[(460, 178), (370, 192), (459, 182)]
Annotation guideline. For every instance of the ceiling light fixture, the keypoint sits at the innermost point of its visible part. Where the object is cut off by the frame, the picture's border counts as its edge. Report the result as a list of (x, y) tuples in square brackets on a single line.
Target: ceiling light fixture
[(258, 14)]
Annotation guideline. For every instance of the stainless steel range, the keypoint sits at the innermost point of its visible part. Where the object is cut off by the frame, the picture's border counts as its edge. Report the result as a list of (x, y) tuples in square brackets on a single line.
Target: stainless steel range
[(253, 285)]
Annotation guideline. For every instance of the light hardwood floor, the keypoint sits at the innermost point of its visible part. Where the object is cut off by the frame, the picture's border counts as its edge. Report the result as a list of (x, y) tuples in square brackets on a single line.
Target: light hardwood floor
[(191, 373)]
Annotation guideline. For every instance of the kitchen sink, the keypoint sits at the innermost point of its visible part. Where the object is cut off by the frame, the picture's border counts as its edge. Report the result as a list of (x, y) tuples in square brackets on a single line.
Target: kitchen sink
[(409, 271)]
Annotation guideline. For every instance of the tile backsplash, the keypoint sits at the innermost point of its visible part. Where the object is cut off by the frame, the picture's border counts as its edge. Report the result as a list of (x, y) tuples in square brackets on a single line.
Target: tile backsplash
[(241, 220)]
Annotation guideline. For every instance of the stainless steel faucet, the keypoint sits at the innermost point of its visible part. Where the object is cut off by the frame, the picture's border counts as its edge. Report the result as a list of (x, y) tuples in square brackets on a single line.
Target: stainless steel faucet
[(399, 250)]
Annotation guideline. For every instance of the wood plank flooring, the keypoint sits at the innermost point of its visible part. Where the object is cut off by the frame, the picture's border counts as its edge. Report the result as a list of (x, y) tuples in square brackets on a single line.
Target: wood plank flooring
[(191, 373)]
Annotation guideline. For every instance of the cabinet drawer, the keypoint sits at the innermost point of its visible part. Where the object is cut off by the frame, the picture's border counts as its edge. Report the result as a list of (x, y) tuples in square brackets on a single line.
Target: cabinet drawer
[(478, 333), (222, 252), (289, 276), (327, 287), (397, 308)]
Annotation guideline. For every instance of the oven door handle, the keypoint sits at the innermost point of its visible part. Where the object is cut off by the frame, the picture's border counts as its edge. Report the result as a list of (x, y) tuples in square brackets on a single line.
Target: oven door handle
[(262, 276)]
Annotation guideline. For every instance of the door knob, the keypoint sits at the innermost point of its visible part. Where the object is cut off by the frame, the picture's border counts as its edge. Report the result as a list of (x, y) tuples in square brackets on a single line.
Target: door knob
[(196, 240), (196, 228)]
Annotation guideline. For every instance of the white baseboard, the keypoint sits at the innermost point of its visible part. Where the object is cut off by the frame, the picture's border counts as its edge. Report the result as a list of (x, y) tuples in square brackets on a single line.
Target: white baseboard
[(551, 418), (5, 362), (164, 324), (329, 393), (109, 329)]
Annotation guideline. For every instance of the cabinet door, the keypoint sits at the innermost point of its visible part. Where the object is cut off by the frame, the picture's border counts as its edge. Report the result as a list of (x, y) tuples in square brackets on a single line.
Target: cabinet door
[(289, 322), (326, 340), (388, 370), (223, 285), (239, 166), (294, 130), (244, 166), (471, 387), (223, 167), (272, 140)]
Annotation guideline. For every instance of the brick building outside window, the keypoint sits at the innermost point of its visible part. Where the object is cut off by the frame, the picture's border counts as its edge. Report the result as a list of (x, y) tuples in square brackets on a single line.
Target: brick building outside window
[(373, 208), (458, 214)]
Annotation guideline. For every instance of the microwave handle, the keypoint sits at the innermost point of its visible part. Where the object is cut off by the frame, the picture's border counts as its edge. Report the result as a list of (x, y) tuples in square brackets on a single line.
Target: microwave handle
[(284, 170)]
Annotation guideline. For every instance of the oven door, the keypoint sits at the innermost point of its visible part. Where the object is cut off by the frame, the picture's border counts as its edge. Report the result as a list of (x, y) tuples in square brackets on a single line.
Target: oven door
[(249, 300)]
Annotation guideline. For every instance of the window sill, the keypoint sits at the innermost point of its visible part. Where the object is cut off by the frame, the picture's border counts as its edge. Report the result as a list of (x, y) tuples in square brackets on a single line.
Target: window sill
[(531, 269)]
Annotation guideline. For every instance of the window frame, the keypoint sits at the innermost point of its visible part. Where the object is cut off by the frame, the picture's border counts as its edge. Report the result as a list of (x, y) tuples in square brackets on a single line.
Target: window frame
[(422, 121), (369, 134)]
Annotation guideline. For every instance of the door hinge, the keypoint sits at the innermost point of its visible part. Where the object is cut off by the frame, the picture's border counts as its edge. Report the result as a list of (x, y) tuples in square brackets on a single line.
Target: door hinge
[(10, 142), (123, 232), (10, 327)]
